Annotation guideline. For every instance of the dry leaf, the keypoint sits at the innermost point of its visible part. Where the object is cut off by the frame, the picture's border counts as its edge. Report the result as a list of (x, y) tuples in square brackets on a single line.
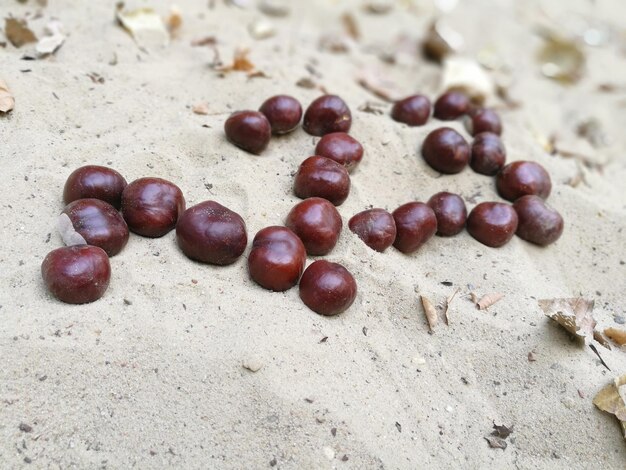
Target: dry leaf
[(17, 32), (145, 26), (461, 73), (7, 102), (253, 364), (572, 314), (333, 43), (561, 59), (241, 63), (441, 41), (488, 300), (496, 442), (447, 306), (205, 41), (67, 231), (174, 20), (616, 335), (351, 26), (380, 87), (430, 312), (306, 83), (501, 431), (612, 399), (49, 44), (600, 338), (201, 108)]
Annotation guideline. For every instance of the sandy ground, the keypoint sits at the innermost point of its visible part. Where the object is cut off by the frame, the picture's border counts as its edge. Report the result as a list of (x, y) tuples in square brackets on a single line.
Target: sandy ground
[(151, 375)]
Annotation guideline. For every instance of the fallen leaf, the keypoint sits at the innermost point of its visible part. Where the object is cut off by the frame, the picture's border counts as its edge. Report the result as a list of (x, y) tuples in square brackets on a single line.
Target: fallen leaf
[(351, 26), (600, 338), (241, 63), (461, 73), (306, 83), (616, 335), (440, 41), (205, 41), (17, 32), (375, 83), (201, 108), (55, 38), (561, 59), (488, 300), (501, 431), (145, 26), (531, 356), (447, 306), (496, 442), (430, 312), (612, 399), (333, 43), (572, 314), (174, 20), (7, 102)]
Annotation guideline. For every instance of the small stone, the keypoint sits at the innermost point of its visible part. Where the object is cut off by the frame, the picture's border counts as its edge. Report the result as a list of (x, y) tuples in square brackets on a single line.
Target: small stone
[(261, 29), (253, 364), (25, 427), (329, 453), (419, 360), (619, 319), (275, 7), (273, 462)]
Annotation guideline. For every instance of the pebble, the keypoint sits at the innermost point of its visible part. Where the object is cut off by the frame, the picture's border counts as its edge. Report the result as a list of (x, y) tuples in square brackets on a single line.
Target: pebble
[(253, 364), (329, 453), (568, 402)]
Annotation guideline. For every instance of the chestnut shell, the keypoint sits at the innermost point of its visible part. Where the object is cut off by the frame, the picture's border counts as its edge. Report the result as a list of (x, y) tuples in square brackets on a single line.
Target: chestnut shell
[(413, 110), (492, 223), (446, 151), (450, 211), (326, 114), (538, 223), (327, 288), (93, 181), (248, 130), (522, 178), (416, 223), (317, 223), (322, 177), (342, 148), (376, 227), (283, 113)]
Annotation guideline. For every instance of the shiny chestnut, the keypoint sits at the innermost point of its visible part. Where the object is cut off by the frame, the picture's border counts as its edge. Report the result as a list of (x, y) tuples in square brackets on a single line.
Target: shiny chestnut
[(151, 206), (445, 150), (492, 223), (93, 181), (248, 130), (99, 223), (416, 223), (488, 154), (327, 114), (283, 113), (322, 177), (483, 120), (342, 148), (277, 258), (77, 274), (413, 110), (327, 288), (451, 105), (317, 223), (376, 227), (522, 178), (211, 233), (450, 212), (538, 223)]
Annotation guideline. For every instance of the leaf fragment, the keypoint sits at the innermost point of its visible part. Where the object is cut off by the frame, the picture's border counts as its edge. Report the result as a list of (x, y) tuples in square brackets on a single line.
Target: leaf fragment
[(430, 312), (616, 335), (488, 300), (55, 39), (612, 399), (241, 63), (573, 314), (201, 108), (7, 102), (496, 442), (18, 32), (68, 233), (145, 26), (501, 430)]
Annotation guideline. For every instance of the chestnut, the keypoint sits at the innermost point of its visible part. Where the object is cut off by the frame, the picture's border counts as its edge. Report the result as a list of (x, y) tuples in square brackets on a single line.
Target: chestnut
[(342, 148), (322, 177), (99, 223), (415, 224), (521, 178), (538, 223), (248, 130), (277, 258), (211, 233), (283, 113), (317, 223), (483, 120), (451, 105), (151, 206), (76, 274), (450, 212), (492, 223), (376, 227), (327, 288), (488, 154), (327, 114), (413, 110), (445, 150), (93, 181)]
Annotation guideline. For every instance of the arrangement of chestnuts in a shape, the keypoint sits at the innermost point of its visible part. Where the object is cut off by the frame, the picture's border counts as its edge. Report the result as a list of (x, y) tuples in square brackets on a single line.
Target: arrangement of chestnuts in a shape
[(102, 208)]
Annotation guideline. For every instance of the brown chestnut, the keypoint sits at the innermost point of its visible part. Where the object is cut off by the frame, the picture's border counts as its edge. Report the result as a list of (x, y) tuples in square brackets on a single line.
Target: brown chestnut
[(327, 288), (317, 223), (283, 113), (98, 182), (327, 114), (450, 212), (342, 148), (76, 274), (211, 233), (492, 223), (522, 178), (248, 130), (322, 177), (376, 227), (151, 206), (413, 110), (99, 223), (483, 120), (415, 224), (488, 154), (277, 258), (538, 223), (451, 105), (445, 150)]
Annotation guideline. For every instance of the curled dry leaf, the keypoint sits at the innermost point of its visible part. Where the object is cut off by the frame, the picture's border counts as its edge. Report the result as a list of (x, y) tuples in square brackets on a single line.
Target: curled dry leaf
[(174, 20), (496, 442), (447, 306), (616, 335), (501, 430), (461, 73), (488, 300), (241, 63), (201, 108), (145, 26), (17, 32), (612, 399), (440, 41), (600, 338), (572, 314), (430, 312), (7, 102)]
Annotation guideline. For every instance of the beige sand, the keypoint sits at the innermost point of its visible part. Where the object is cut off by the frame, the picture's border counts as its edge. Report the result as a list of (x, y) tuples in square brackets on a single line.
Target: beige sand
[(151, 375)]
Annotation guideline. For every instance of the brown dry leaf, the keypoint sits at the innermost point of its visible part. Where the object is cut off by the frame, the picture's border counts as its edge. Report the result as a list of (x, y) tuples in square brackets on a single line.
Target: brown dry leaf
[(17, 32), (351, 26), (572, 314), (616, 335), (612, 399), (144, 25), (333, 43), (241, 63), (430, 312), (600, 338), (441, 41), (488, 300), (7, 102), (501, 430), (201, 108), (380, 87), (174, 20), (496, 442), (205, 41), (306, 82), (447, 306), (561, 59)]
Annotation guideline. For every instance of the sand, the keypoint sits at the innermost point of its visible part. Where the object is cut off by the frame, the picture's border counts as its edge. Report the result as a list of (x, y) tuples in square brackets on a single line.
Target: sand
[(151, 375)]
